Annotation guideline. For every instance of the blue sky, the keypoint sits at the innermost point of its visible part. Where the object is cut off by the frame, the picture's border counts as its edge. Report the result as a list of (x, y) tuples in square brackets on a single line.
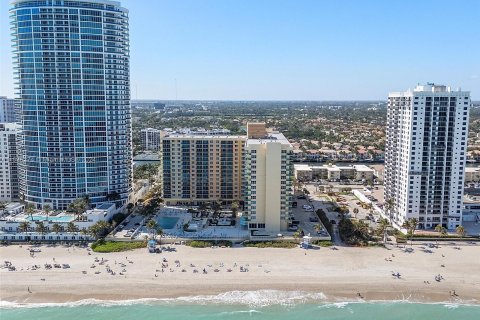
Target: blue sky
[(293, 50)]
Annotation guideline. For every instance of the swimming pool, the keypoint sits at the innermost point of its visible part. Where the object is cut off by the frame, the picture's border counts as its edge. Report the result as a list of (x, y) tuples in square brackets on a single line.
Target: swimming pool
[(51, 218), (167, 222)]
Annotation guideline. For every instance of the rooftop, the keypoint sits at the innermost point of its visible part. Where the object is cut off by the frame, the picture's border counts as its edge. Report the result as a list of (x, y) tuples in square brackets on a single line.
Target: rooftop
[(271, 137)]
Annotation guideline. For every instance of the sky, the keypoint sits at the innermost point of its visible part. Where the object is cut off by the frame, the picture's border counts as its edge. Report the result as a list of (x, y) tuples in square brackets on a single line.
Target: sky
[(292, 50)]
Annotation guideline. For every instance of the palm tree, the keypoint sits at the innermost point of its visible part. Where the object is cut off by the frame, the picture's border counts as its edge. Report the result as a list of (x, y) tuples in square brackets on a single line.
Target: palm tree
[(461, 231), (3, 206), (296, 235), (217, 206), (24, 226), (152, 225), (318, 227), (411, 226), (79, 206), (56, 228), (40, 228), (159, 232), (382, 227), (389, 206), (71, 227), (84, 231), (47, 208), (98, 229), (235, 205), (30, 209), (441, 229)]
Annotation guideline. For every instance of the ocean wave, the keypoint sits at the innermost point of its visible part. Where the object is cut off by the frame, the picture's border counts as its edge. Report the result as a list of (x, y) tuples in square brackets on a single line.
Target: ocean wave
[(259, 298), (253, 299)]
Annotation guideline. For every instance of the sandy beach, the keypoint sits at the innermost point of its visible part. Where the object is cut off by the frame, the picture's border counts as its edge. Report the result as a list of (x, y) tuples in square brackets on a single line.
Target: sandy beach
[(343, 274)]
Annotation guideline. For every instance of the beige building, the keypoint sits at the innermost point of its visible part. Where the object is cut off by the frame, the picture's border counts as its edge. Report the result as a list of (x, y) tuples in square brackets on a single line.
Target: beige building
[(201, 168), (268, 182)]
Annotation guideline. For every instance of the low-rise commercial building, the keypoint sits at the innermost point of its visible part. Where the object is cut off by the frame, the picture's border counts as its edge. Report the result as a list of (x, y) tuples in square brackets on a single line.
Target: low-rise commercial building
[(305, 172)]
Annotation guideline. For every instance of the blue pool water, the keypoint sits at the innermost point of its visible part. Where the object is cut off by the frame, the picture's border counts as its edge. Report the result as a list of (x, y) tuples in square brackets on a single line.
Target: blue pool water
[(50, 218), (167, 222)]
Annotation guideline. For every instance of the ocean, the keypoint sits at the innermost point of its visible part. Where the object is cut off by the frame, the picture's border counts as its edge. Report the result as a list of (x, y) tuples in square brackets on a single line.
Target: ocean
[(261, 305)]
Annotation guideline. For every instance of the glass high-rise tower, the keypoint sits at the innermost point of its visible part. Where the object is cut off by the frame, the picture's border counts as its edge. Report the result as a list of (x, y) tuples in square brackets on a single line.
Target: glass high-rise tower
[(71, 62)]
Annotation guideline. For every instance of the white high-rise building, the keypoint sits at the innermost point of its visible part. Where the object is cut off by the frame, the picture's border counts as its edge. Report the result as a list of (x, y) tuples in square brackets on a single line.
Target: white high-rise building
[(151, 139), (8, 161), (425, 155), (7, 110)]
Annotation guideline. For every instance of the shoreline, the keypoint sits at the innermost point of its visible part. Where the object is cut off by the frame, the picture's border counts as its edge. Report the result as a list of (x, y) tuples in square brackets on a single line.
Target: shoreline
[(325, 276)]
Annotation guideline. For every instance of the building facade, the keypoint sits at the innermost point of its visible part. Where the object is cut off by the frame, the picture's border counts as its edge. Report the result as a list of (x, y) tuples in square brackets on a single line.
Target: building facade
[(426, 139), (8, 162), (151, 139), (7, 110), (268, 185), (198, 168), (73, 83)]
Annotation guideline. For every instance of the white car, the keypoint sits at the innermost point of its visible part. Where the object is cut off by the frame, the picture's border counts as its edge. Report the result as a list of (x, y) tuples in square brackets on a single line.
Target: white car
[(306, 206)]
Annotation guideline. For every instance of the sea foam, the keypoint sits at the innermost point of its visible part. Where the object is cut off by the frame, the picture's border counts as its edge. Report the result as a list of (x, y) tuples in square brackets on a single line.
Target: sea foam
[(259, 298)]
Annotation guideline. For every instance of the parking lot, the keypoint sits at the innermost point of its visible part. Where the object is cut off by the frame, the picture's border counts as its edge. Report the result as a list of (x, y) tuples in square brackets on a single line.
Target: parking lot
[(348, 200), (305, 214)]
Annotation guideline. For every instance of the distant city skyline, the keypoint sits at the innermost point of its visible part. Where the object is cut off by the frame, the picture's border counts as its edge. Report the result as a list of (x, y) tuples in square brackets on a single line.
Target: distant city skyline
[(289, 50)]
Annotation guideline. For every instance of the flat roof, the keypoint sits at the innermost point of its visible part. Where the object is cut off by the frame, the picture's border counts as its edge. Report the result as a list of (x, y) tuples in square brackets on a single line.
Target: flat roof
[(203, 136), (147, 157), (271, 137)]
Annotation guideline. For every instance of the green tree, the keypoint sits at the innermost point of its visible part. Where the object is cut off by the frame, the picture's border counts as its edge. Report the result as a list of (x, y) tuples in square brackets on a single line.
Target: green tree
[(56, 228), (3, 206), (24, 226), (99, 229), (79, 206), (40, 228), (235, 206), (460, 230), (441, 230), (411, 226), (389, 206), (159, 233), (47, 209), (382, 228), (71, 227), (152, 226), (217, 206), (29, 209)]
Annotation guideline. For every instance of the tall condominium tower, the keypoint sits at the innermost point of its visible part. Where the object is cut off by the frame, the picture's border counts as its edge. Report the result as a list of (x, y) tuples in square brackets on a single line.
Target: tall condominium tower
[(151, 139), (425, 156), (268, 180), (7, 110), (71, 62), (200, 168), (8, 161)]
